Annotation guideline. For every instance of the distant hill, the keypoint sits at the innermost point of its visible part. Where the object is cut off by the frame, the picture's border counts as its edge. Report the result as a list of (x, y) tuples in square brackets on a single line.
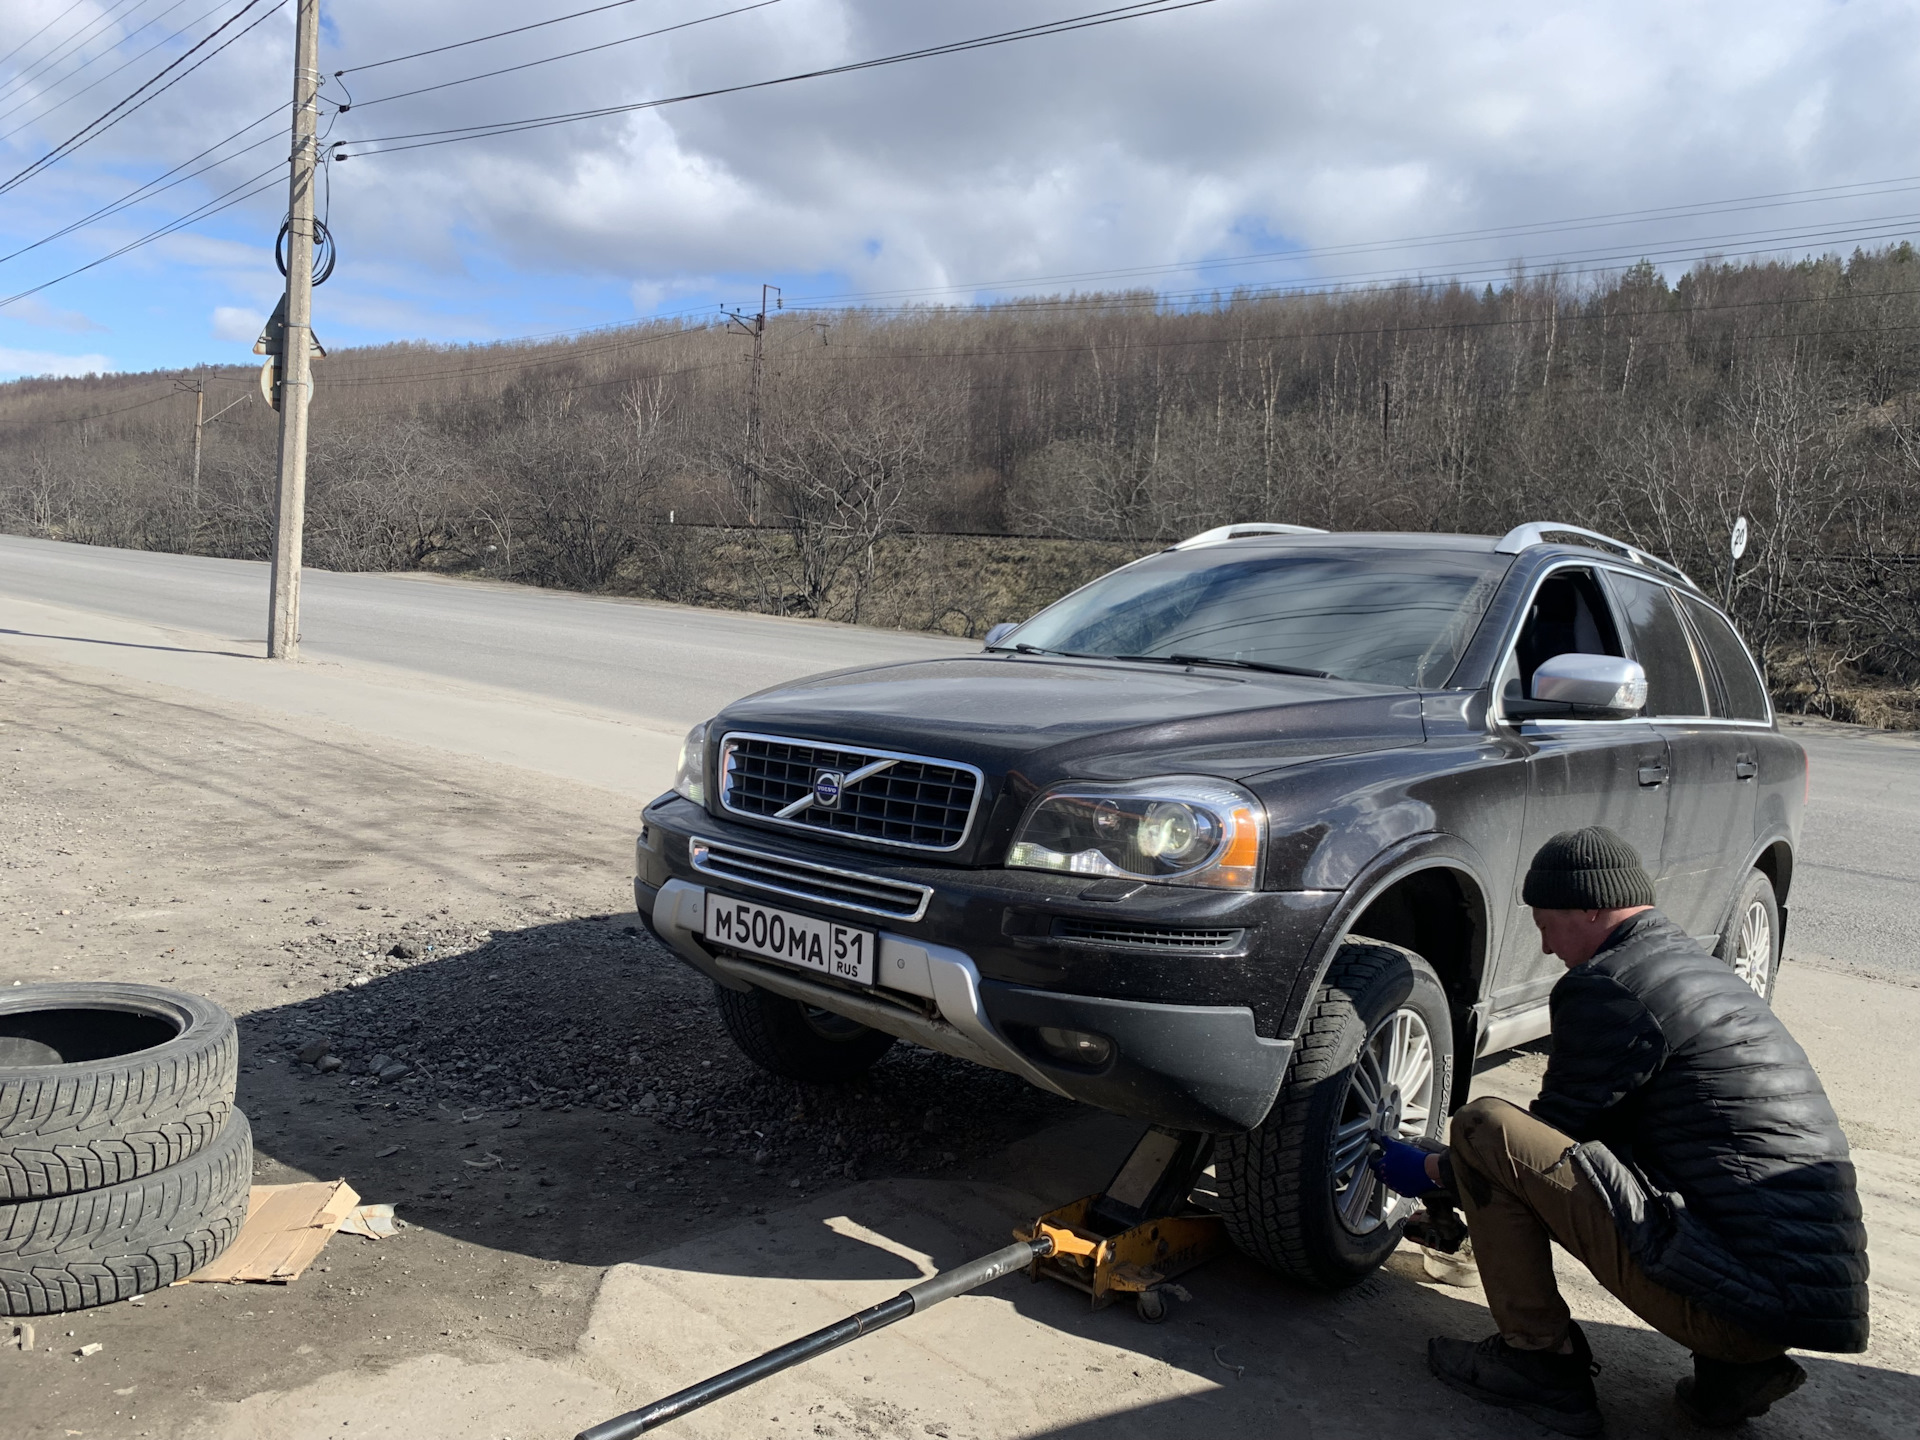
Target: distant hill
[(951, 467)]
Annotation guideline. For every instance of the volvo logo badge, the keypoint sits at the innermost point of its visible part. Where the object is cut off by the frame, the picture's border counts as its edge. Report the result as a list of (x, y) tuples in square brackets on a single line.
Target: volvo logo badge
[(828, 786)]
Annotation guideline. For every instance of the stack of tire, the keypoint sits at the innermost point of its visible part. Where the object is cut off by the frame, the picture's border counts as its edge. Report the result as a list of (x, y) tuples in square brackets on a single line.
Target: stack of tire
[(124, 1165)]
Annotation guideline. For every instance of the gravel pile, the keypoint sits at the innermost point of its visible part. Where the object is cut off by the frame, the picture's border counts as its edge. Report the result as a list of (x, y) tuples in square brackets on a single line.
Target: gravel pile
[(585, 1013)]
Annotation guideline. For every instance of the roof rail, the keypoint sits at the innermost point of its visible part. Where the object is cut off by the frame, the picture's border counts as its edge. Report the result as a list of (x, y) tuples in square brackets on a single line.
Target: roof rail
[(1535, 532), (1234, 532)]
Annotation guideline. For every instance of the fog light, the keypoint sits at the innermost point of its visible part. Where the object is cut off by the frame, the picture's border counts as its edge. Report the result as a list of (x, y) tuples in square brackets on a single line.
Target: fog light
[(1076, 1047)]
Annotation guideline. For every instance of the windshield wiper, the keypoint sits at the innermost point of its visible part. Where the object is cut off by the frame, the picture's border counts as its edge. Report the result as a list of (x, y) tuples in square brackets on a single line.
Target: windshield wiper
[(1230, 664), (1025, 649)]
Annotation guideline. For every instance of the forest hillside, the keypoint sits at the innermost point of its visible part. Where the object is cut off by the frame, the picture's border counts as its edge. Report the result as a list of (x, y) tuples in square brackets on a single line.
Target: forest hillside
[(946, 468)]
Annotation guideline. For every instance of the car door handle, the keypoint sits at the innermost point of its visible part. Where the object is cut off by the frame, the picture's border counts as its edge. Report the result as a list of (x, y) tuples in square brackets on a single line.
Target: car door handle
[(1653, 772), (1745, 768)]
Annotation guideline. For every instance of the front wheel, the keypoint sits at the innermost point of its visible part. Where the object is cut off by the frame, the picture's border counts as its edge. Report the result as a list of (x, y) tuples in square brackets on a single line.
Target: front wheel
[(1751, 941), (799, 1042), (1375, 1053)]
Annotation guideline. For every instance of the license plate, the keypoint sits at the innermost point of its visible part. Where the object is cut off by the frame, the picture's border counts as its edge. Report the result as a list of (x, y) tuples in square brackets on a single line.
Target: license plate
[(837, 950)]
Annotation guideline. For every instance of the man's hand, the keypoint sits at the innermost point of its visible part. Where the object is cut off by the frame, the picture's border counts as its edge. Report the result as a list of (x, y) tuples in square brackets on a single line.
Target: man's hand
[(1403, 1168)]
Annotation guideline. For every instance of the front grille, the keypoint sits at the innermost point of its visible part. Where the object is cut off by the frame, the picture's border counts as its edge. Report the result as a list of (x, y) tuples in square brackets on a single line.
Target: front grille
[(803, 880), (905, 800), (1132, 932)]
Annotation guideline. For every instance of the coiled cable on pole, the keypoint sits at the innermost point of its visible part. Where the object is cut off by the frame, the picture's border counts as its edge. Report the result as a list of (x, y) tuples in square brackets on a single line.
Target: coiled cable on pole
[(324, 251)]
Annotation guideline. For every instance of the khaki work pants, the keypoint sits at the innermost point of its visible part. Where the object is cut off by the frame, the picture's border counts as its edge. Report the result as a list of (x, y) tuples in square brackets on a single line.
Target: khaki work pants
[(1520, 1191)]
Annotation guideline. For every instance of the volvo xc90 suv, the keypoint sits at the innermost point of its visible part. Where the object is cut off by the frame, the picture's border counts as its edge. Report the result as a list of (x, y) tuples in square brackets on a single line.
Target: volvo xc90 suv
[(1230, 840)]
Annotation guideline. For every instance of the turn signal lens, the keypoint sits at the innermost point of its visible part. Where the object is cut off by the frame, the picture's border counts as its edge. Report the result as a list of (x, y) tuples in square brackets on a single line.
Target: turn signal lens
[(1181, 831)]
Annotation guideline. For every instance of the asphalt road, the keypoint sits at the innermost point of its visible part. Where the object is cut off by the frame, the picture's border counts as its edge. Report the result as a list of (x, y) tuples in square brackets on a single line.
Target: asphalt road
[(660, 662), (1856, 902)]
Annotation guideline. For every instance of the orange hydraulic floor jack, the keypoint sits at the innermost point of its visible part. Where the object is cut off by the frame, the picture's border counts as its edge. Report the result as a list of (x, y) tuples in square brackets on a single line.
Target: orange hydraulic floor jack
[(1130, 1239), (1138, 1233)]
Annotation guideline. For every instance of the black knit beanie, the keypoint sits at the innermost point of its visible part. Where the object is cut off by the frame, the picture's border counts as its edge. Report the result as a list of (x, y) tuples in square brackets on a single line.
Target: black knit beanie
[(1590, 869)]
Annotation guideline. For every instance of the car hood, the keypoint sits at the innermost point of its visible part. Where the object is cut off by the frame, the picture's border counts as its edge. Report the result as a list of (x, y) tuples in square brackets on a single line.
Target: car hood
[(1051, 718)]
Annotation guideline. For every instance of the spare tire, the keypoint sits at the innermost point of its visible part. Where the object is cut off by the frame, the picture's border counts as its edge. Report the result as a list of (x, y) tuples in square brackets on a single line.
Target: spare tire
[(73, 1252), (104, 1083)]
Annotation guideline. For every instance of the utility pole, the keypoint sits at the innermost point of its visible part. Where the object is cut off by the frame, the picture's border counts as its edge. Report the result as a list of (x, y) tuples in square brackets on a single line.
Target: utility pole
[(289, 518), (749, 479), (197, 387)]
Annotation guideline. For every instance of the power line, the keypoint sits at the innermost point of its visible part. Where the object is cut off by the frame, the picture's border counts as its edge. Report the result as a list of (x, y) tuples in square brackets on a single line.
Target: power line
[(1575, 263), (1090, 20), (1003, 383), (96, 415), (1865, 189), (851, 353), (72, 45), (41, 31), (503, 366), (95, 84), (154, 187), (478, 39), (202, 212), (98, 127), (568, 55)]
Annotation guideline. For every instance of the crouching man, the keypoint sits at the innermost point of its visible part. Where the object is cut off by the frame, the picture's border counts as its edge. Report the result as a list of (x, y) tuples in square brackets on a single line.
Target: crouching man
[(1681, 1148)]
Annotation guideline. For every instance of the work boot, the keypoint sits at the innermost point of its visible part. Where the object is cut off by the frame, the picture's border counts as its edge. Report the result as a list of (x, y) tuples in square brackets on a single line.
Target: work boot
[(1555, 1390), (1718, 1394)]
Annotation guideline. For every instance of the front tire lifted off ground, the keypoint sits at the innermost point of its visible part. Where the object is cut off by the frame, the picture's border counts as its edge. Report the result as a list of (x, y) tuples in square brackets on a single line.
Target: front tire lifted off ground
[(798, 1041), (1376, 1050)]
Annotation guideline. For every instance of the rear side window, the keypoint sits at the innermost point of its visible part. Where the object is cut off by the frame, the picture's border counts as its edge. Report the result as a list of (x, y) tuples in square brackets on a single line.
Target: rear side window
[(1661, 646), (1742, 695)]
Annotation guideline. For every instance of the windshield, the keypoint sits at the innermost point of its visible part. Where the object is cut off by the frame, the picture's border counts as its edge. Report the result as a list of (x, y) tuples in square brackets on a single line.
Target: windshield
[(1387, 617)]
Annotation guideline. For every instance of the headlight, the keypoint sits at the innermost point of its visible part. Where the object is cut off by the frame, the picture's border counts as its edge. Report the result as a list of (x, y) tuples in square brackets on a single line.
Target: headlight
[(691, 778), (1177, 831)]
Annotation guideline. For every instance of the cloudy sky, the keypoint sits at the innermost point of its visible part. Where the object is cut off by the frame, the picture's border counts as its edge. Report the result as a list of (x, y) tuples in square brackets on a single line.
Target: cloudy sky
[(1234, 142)]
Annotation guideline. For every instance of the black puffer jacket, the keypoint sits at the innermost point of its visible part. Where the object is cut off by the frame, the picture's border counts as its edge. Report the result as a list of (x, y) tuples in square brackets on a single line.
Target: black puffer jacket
[(1709, 1132)]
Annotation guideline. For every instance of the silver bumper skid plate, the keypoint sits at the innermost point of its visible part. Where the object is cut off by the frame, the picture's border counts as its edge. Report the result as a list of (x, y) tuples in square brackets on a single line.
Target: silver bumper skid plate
[(945, 976)]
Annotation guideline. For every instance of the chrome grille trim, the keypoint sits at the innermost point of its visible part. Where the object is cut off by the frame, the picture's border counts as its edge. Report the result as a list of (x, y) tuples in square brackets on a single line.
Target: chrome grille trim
[(1144, 934), (905, 802), (804, 880)]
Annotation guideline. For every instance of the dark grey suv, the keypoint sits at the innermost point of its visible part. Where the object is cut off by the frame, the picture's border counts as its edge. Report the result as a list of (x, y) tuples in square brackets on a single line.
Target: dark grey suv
[(1230, 840)]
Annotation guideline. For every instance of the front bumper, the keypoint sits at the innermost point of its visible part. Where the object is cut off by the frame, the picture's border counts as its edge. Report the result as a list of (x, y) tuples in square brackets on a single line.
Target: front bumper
[(1188, 1066)]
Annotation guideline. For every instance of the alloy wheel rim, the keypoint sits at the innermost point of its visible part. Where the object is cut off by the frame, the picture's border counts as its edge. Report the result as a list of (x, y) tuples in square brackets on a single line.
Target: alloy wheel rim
[(1390, 1087), (1753, 949)]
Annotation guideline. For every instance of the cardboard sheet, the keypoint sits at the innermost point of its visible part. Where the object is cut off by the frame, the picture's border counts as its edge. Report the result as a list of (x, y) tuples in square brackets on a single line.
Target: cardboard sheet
[(287, 1228)]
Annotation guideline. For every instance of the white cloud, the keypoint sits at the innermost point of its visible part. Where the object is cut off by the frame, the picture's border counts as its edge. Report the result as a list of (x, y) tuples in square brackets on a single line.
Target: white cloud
[(1218, 131), (32, 310), (16, 363), (237, 323), (1213, 133)]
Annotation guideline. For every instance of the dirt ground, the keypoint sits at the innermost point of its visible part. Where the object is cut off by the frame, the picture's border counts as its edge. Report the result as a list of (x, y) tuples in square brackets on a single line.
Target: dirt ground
[(573, 1101), (572, 1105)]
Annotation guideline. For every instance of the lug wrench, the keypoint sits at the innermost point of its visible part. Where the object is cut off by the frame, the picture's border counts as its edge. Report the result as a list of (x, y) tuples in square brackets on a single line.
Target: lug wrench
[(910, 1301)]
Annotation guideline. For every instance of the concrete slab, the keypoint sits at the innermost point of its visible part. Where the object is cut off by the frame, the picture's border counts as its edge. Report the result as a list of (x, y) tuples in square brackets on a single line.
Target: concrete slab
[(423, 1398), (1249, 1355)]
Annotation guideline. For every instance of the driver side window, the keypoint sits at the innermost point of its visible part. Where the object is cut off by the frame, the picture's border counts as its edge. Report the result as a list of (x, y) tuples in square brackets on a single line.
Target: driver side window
[(1569, 616)]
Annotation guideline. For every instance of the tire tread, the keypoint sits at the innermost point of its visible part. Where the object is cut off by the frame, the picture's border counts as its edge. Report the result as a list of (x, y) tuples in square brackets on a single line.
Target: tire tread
[(76, 1251), (1262, 1176), (85, 1126)]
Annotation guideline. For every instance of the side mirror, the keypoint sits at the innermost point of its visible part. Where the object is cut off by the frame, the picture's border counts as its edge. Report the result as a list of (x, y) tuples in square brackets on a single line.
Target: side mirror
[(1584, 687), (997, 633)]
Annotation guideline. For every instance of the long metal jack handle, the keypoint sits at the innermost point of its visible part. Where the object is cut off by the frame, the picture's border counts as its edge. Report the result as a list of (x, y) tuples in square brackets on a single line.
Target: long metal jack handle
[(911, 1301)]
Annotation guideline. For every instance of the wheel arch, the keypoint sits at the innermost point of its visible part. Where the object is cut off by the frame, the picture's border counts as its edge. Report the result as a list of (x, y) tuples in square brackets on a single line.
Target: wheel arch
[(1429, 895), (1775, 861)]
